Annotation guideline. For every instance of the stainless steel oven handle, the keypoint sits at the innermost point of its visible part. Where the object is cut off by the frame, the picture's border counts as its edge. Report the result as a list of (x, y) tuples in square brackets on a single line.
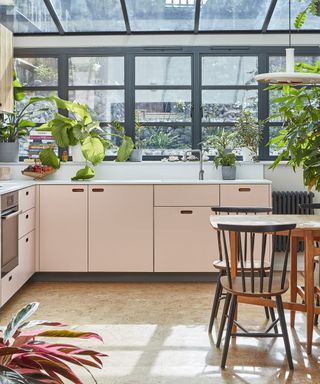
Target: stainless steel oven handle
[(7, 217)]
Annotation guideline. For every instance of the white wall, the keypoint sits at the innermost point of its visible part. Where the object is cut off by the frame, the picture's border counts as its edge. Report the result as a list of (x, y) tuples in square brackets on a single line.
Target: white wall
[(158, 40)]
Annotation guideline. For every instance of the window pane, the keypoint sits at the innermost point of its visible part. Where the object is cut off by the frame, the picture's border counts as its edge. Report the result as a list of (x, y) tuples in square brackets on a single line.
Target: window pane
[(30, 16), (38, 112), (274, 132), (96, 71), (163, 105), (274, 107), (160, 141), (37, 71), (229, 70), (104, 105), (278, 63), (280, 15), (225, 105), (161, 15), (89, 15), (165, 70), (233, 14)]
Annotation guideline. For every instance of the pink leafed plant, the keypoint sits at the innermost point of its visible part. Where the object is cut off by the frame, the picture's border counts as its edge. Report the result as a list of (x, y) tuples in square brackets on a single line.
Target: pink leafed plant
[(25, 360)]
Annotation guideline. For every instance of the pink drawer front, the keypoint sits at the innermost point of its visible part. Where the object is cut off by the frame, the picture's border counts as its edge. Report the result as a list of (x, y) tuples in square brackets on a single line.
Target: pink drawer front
[(27, 198), (27, 222), (245, 195), (186, 195)]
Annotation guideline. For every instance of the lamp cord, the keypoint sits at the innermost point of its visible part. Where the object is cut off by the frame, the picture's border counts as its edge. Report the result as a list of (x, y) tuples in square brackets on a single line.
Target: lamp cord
[(289, 23)]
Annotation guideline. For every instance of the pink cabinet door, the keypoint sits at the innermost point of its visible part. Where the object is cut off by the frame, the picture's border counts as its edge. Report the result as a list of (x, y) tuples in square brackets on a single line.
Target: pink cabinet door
[(121, 228), (185, 241), (63, 228)]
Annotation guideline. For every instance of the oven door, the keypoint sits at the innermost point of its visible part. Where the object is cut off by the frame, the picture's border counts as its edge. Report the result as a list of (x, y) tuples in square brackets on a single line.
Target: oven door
[(9, 241)]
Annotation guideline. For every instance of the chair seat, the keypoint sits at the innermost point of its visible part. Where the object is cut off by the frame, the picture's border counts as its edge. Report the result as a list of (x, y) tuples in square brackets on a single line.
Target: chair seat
[(237, 288), (221, 265)]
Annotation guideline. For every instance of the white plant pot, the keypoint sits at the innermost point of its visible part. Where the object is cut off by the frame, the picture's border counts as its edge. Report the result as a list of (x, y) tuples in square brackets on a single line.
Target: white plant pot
[(247, 154), (76, 153)]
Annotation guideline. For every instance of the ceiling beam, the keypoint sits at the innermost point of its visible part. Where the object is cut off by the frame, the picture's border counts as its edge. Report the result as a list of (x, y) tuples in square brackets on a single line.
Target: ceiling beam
[(54, 16), (197, 16), (268, 16), (125, 16)]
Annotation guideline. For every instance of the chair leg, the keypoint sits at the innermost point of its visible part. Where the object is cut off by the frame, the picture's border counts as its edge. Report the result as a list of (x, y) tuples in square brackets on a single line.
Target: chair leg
[(223, 318), (229, 330), (266, 309), (216, 302), (316, 316), (273, 318), (284, 330)]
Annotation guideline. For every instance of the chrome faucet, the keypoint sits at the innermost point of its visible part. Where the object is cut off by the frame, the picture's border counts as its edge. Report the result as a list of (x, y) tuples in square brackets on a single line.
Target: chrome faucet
[(184, 158)]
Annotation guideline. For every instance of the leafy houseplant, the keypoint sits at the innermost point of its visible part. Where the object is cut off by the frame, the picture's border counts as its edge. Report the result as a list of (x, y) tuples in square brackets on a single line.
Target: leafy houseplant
[(299, 138), (136, 154), (223, 143), (312, 8), (27, 360), (81, 129), (248, 135), (14, 125)]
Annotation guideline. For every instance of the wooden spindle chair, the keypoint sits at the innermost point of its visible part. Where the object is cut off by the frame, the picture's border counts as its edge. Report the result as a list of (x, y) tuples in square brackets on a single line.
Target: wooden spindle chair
[(220, 264), (249, 283)]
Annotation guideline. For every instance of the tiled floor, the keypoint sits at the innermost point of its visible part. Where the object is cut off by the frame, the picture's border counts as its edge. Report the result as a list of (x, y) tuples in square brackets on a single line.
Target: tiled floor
[(157, 333)]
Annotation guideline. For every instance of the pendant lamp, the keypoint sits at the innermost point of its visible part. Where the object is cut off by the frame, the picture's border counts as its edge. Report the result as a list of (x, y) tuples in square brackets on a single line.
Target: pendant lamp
[(289, 76)]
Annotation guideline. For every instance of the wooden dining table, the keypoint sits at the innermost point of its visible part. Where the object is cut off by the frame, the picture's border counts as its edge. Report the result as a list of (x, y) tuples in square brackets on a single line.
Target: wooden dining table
[(308, 230)]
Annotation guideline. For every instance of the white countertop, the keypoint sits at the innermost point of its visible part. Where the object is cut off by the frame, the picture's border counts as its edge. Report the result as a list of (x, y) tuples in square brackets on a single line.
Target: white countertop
[(14, 185)]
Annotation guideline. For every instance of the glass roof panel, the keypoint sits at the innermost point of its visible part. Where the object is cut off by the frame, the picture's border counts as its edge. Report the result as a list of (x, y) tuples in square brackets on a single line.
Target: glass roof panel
[(161, 15), (90, 15), (226, 15), (27, 16), (280, 17)]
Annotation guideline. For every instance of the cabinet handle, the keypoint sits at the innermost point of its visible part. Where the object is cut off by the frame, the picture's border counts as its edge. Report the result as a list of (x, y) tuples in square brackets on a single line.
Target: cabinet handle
[(77, 190), (186, 212), (244, 189), (27, 193), (97, 189), (27, 216), (10, 278), (27, 239)]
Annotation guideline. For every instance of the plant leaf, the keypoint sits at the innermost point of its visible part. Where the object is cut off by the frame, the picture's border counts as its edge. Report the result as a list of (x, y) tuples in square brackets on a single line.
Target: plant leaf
[(9, 376), (18, 319), (48, 157), (300, 19), (125, 149), (93, 150), (69, 333), (84, 173)]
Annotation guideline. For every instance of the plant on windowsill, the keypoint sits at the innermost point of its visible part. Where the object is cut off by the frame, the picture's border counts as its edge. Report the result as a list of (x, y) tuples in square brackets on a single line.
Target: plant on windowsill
[(136, 154), (14, 125), (299, 140), (248, 135), (24, 359), (223, 144), (81, 130)]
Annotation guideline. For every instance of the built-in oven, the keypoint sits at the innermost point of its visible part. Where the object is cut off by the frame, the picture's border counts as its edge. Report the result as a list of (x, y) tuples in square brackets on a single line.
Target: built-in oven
[(9, 232)]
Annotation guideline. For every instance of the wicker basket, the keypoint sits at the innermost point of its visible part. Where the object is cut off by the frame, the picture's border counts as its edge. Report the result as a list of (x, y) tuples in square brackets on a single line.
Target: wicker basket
[(38, 175)]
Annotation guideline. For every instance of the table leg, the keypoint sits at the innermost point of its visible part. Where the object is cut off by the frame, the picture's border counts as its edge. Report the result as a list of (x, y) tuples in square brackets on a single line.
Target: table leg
[(309, 285), (293, 277)]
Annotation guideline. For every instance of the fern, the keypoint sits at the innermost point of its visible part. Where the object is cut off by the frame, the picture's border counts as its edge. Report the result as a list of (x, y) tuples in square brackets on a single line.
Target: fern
[(300, 19)]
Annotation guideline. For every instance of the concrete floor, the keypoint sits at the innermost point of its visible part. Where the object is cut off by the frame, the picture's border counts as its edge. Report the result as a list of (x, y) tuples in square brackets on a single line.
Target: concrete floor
[(157, 333)]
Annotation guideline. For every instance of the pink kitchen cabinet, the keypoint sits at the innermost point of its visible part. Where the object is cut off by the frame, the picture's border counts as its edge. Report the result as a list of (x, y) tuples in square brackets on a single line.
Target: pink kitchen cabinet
[(63, 228), (121, 228)]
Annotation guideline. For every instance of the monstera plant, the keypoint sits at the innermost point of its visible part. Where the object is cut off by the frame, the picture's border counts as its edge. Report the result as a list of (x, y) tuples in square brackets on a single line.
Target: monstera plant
[(25, 359), (80, 128)]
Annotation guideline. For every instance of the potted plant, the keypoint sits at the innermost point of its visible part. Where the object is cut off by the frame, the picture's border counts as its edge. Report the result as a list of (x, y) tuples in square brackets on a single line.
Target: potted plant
[(24, 359), (80, 129), (136, 154), (248, 135), (14, 125), (223, 144), (298, 141)]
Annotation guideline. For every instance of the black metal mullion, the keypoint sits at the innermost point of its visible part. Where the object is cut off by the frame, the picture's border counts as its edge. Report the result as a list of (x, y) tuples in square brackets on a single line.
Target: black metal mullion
[(268, 16), (229, 87), (196, 100), (125, 16), (197, 16), (263, 106), (96, 87), (63, 80), (163, 87), (54, 16), (129, 94)]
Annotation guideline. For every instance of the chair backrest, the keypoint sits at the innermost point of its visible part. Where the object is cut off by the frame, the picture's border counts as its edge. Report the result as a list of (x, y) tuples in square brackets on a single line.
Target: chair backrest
[(237, 211), (254, 280)]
